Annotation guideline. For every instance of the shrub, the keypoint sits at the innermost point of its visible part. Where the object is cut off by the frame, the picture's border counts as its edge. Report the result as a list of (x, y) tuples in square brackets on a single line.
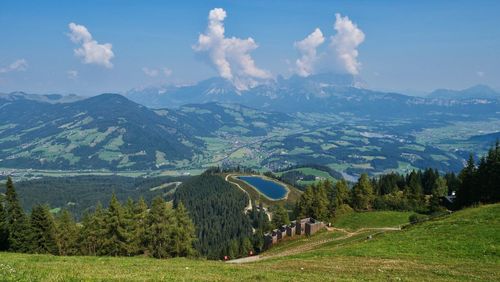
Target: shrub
[(416, 218)]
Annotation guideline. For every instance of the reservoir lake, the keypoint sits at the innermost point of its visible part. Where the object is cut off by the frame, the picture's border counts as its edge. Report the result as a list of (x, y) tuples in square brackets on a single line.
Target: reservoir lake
[(270, 189)]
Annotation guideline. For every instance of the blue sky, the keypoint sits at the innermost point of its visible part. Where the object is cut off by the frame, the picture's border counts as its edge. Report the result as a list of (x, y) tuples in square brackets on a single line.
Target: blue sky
[(408, 46)]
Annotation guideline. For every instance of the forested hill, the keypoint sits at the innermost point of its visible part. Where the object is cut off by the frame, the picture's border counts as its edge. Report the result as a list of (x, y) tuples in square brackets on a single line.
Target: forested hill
[(111, 132), (81, 194), (216, 209)]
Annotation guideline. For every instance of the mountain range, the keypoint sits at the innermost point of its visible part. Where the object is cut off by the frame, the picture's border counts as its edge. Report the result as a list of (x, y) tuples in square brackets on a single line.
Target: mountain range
[(321, 93)]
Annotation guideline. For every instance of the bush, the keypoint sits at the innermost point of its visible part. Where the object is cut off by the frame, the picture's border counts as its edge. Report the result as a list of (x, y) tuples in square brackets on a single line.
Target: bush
[(416, 218)]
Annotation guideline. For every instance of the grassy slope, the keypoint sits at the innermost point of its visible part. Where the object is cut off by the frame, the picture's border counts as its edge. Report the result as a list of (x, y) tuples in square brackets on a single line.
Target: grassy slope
[(463, 246), (353, 221)]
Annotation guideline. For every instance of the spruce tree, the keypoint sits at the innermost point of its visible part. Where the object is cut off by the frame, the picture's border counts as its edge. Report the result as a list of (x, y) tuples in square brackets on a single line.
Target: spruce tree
[(465, 195), (43, 231), (362, 193), (67, 234), (304, 204), (320, 202), (140, 218), (338, 197), (184, 233), (130, 226), (4, 228), (280, 217), (116, 236), (17, 221), (159, 233), (416, 194), (93, 231)]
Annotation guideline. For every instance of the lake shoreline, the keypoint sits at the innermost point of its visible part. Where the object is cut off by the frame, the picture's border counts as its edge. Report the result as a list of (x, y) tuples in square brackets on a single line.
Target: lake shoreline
[(264, 178)]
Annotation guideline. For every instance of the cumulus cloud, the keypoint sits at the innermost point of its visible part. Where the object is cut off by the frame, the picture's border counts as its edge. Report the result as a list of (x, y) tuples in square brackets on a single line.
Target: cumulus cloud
[(307, 49), (342, 54), (17, 65), (90, 50), (156, 72), (345, 43), (230, 56)]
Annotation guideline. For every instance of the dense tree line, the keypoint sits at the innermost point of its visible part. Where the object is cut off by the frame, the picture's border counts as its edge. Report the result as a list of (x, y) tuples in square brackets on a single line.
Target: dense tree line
[(222, 227), (120, 230), (480, 183), (421, 191), (418, 191)]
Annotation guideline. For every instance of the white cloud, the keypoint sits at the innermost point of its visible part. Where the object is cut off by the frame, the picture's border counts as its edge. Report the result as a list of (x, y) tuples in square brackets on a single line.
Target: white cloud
[(156, 72), (167, 72), (480, 73), (345, 43), (230, 56), (150, 72), (307, 49), (90, 50), (17, 65), (72, 74), (341, 56)]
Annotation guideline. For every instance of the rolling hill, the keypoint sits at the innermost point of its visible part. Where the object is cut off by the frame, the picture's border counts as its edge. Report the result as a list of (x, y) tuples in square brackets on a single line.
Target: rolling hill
[(110, 131)]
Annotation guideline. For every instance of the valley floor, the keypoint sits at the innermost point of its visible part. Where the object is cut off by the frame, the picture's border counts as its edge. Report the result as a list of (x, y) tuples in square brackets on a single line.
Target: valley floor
[(463, 246)]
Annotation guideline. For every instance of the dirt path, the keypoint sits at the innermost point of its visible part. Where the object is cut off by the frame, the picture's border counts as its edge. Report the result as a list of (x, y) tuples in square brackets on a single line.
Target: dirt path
[(312, 245), (249, 206)]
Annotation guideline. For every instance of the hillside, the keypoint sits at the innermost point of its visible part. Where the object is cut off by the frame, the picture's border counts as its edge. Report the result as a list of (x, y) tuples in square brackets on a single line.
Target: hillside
[(111, 132), (462, 246), (106, 131)]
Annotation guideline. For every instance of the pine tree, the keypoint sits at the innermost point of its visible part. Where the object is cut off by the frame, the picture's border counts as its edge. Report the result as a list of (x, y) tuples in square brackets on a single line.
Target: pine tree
[(116, 236), (339, 197), (16, 220), (280, 217), (362, 193), (465, 195), (67, 234), (320, 202), (304, 204), (342, 196), (93, 232), (416, 195), (184, 233), (130, 226), (43, 231), (159, 233), (4, 228), (140, 218)]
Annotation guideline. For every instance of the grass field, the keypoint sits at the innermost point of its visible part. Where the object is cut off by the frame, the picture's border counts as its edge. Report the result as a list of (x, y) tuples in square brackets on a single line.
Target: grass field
[(463, 246), (357, 220)]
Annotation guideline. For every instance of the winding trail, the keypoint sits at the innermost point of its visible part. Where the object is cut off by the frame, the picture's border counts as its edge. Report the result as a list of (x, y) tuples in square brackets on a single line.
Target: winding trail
[(249, 206), (312, 245)]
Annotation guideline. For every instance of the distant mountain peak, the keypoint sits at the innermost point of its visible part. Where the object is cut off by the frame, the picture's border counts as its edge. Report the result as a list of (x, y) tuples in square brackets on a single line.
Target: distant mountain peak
[(479, 91)]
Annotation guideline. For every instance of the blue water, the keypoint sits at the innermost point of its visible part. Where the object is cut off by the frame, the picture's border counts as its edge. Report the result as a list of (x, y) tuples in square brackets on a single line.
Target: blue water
[(269, 188)]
